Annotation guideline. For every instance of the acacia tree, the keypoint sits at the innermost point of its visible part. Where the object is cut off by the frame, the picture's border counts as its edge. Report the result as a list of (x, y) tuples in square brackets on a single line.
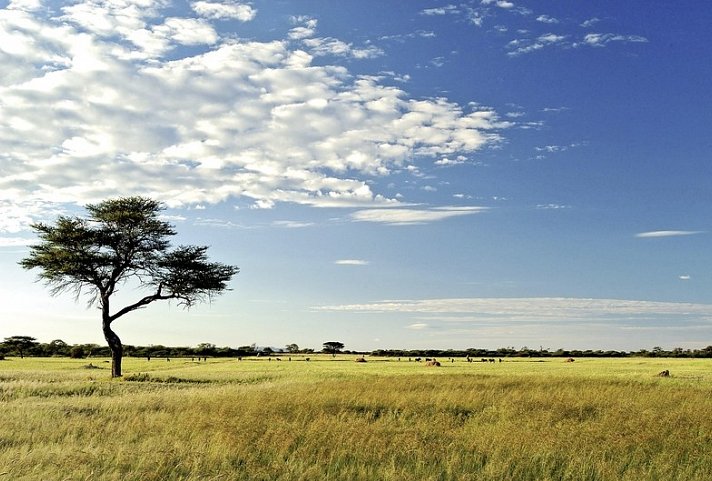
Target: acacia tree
[(332, 347), (20, 344), (123, 240)]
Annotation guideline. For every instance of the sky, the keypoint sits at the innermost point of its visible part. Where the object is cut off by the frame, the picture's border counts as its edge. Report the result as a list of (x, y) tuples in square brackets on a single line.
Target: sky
[(387, 174)]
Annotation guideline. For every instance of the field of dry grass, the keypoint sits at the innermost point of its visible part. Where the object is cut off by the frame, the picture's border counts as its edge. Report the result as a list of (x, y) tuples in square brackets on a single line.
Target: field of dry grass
[(611, 419)]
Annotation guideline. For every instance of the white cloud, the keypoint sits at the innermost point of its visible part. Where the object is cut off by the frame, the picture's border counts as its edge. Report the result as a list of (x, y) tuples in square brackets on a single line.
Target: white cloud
[(667, 233), (396, 216), (602, 39), (291, 224), (533, 309), (452, 9), (524, 46), (684, 277), (233, 119), (16, 241), (351, 262), (417, 326), (552, 206), (499, 3), (332, 46), (218, 10), (306, 27), (546, 19)]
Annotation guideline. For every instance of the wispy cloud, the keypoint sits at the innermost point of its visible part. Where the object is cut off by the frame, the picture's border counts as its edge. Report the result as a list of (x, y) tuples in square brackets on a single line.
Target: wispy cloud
[(292, 224), (351, 262), (532, 309), (397, 216), (602, 39), (546, 19), (417, 326), (590, 22), (525, 45), (667, 233), (447, 9), (16, 241)]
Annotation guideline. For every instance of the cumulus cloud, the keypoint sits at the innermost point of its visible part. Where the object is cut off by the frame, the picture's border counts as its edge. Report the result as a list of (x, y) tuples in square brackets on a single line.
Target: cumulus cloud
[(111, 114), (227, 10)]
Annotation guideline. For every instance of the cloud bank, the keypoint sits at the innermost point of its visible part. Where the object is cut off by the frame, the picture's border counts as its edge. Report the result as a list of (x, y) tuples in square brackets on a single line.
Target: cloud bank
[(533, 309)]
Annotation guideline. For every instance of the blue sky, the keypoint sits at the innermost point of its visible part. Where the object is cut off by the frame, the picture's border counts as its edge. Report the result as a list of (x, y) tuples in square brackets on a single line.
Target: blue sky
[(387, 174)]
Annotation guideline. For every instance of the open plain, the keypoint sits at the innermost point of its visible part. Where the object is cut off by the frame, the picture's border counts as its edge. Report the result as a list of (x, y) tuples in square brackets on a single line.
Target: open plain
[(335, 419)]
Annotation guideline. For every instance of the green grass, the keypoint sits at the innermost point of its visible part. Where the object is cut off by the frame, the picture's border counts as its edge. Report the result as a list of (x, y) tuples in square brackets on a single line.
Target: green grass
[(334, 419)]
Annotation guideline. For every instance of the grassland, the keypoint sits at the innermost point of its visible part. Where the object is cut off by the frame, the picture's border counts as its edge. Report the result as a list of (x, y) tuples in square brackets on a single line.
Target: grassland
[(333, 419)]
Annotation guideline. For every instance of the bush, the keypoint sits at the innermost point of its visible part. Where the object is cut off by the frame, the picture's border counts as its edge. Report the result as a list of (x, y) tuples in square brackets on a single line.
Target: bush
[(76, 352)]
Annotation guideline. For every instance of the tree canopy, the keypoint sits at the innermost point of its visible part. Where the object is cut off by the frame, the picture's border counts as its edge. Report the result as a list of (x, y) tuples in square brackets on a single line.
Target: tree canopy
[(123, 240), (20, 343), (332, 347)]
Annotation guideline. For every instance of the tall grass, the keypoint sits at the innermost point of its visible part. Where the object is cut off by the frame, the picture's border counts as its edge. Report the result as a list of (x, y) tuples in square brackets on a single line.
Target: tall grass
[(339, 420)]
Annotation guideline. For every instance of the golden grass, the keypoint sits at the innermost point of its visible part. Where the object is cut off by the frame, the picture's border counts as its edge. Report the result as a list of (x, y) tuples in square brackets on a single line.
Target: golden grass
[(340, 420)]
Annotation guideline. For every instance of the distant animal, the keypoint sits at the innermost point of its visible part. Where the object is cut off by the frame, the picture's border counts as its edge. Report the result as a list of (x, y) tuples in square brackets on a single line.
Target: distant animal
[(433, 362), (361, 359), (570, 359), (306, 359), (665, 373), (491, 360), (417, 359)]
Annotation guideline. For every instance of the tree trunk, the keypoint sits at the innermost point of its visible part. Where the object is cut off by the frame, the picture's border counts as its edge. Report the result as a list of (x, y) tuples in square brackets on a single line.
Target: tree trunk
[(117, 349)]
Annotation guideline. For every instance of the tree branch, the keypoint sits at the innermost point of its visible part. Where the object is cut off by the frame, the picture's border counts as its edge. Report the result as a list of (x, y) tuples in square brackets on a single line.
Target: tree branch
[(158, 296)]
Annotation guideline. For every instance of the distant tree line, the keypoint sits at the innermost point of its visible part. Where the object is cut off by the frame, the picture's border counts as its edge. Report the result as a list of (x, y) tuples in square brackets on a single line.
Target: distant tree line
[(22, 346), (527, 352)]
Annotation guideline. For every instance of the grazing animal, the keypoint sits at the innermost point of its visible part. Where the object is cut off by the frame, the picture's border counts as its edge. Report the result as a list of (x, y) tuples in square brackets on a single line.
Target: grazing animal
[(491, 360), (433, 362), (361, 359), (306, 359), (570, 359), (417, 359), (665, 373)]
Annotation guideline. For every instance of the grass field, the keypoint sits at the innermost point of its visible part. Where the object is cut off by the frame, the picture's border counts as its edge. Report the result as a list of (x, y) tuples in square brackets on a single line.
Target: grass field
[(334, 419)]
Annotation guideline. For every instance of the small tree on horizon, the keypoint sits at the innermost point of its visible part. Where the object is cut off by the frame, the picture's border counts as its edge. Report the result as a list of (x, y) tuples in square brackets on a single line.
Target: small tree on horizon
[(123, 240), (332, 347), (20, 344)]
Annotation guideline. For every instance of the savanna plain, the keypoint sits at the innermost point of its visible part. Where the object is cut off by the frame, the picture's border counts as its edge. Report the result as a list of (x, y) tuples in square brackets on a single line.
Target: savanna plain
[(335, 419)]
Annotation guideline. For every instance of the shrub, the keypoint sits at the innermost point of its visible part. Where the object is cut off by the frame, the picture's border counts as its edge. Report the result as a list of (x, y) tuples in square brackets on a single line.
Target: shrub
[(76, 352)]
